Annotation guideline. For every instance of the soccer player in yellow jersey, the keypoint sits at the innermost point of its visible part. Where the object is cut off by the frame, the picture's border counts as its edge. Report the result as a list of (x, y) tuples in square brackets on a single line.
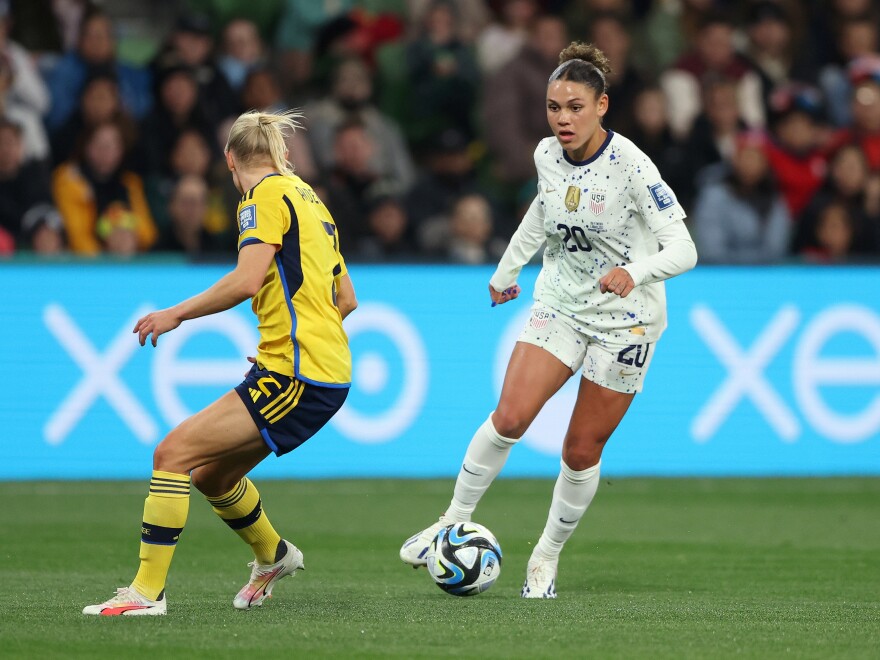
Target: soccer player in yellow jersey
[(289, 263)]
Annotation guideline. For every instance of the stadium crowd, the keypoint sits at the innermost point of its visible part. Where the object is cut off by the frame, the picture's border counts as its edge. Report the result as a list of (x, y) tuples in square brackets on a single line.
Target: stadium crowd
[(422, 117)]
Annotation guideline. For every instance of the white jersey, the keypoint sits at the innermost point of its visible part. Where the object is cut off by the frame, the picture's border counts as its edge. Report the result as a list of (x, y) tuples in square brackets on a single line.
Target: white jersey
[(595, 215)]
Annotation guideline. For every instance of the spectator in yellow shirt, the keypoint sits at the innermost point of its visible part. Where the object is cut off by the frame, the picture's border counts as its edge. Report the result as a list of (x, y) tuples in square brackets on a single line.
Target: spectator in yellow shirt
[(103, 206)]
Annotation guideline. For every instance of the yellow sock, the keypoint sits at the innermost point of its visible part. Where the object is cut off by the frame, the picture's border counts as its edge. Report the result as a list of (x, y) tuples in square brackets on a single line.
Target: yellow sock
[(242, 509), (165, 511)]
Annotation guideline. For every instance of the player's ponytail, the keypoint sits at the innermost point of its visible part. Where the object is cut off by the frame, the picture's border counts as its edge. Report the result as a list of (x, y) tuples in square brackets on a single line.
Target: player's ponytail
[(583, 63), (258, 138)]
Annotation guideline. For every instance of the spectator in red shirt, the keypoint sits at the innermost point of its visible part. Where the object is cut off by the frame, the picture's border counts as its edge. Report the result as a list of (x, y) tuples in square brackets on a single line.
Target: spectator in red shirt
[(796, 153)]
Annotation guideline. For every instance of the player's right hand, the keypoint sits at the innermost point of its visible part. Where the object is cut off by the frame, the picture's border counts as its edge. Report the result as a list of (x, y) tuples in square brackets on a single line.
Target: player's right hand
[(501, 297), (155, 324)]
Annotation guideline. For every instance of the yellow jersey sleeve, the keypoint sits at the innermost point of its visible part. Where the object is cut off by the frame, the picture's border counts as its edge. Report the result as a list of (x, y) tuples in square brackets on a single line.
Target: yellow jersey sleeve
[(263, 217)]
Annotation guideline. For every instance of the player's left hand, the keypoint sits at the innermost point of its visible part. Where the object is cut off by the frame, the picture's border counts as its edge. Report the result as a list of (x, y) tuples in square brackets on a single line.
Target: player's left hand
[(155, 324), (501, 297), (618, 281)]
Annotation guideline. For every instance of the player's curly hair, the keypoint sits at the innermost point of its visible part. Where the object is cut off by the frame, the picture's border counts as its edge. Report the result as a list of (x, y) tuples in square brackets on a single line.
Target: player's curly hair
[(261, 138), (583, 63)]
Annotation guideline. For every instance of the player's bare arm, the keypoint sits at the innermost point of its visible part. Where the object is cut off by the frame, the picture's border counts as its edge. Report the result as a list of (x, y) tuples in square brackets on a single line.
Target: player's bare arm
[(233, 288), (346, 300)]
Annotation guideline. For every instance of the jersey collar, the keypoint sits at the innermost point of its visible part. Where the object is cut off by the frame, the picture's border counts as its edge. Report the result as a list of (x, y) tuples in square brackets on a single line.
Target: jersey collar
[(249, 192), (599, 151)]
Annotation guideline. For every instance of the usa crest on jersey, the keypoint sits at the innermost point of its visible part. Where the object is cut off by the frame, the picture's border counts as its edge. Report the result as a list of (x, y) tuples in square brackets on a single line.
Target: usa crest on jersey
[(597, 201)]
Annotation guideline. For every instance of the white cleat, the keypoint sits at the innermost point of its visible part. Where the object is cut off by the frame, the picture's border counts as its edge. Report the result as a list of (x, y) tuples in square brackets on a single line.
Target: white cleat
[(128, 602), (415, 548), (263, 578), (540, 579)]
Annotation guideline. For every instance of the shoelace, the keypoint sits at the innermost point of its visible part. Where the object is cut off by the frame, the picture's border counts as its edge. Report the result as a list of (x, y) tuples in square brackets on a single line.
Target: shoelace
[(258, 571), (124, 594)]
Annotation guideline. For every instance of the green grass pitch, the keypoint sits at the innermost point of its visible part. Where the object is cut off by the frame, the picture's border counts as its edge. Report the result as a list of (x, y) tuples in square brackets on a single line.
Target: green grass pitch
[(658, 569)]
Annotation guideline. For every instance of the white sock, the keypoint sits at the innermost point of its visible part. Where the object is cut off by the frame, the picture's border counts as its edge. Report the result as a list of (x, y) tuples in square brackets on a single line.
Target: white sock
[(572, 495), (483, 460)]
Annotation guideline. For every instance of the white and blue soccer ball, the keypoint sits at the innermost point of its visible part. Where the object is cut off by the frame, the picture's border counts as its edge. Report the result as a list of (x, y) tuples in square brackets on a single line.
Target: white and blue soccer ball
[(464, 559)]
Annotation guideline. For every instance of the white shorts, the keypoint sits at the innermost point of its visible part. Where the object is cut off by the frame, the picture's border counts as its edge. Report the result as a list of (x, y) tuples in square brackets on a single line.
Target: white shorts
[(619, 367)]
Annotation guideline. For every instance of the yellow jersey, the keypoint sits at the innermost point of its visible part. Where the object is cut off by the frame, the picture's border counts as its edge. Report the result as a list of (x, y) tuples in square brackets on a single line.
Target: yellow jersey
[(300, 326)]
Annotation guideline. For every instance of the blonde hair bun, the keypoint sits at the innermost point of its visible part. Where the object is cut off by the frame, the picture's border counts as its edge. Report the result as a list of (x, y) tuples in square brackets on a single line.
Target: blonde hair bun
[(261, 137)]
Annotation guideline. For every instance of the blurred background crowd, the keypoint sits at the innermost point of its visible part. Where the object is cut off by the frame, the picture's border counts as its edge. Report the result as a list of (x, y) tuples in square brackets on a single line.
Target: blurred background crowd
[(422, 117)]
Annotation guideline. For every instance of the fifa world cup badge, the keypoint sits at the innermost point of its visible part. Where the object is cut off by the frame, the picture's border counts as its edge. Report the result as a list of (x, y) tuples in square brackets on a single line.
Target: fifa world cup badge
[(572, 198)]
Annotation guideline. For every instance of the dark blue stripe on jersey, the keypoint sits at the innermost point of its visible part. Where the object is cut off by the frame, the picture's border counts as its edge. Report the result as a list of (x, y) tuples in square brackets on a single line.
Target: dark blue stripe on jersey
[(289, 262), (336, 270), (158, 535), (337, 386), (594, 156), (248, 241), (248, 520)]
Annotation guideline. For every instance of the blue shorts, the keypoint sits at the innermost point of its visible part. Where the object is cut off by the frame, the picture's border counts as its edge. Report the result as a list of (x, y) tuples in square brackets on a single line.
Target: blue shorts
[(286, 410)]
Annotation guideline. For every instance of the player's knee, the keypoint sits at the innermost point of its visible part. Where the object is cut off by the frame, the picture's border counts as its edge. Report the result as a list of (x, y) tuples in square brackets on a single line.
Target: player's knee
[(583, 454), (167, 457), (509, 423), (162, 457)]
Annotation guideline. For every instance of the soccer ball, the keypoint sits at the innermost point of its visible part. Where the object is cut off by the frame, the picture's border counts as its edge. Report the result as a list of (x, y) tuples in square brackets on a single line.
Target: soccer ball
[(464, 559)]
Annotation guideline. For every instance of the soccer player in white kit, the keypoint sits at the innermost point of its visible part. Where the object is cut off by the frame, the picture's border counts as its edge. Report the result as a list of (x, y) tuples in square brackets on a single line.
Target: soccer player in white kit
[(600, 304)]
